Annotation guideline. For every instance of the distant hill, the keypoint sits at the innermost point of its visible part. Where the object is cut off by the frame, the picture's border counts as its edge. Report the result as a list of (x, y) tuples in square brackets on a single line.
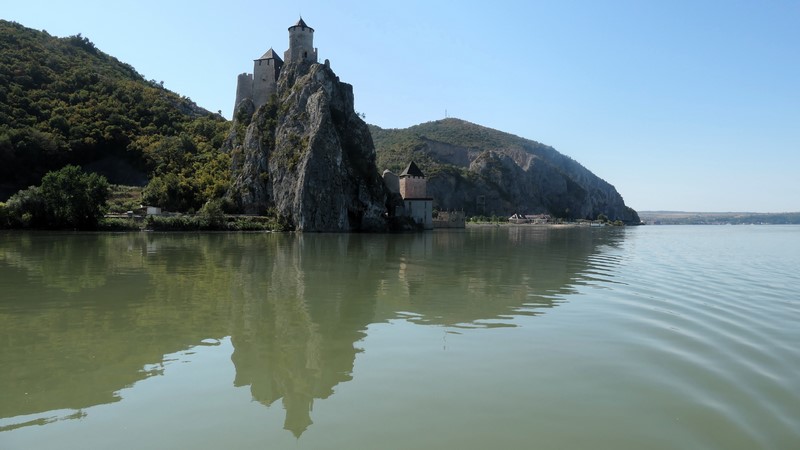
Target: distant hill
[(63, 101), (488, 172), (719, 218)]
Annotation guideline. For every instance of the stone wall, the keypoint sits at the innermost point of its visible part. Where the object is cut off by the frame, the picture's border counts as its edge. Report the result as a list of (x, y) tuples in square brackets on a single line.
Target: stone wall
[(450, 219), (421, 211), (413, 187)]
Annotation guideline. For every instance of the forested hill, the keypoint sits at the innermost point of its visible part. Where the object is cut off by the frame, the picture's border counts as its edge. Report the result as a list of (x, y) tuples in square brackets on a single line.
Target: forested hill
[(63, 101), (489, 172)]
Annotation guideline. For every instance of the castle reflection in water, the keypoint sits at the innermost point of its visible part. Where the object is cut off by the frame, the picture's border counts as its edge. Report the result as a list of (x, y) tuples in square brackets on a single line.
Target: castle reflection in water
[(86, 315)]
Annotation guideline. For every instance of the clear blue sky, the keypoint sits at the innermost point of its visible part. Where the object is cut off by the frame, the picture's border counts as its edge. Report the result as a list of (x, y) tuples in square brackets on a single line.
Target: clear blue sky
[(681, 105)]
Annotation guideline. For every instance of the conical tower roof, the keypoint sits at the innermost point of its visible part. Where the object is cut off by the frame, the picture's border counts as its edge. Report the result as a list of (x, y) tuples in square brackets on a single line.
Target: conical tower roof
[(270, 55), (301, 23), (412, 171)]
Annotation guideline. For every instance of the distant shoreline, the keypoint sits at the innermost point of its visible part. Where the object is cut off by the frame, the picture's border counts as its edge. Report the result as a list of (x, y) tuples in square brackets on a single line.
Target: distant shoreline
[(718, 218)]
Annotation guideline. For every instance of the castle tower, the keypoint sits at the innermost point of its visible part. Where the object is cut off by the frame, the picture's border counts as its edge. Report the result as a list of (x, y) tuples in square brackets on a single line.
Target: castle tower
[(301, 43), (414, 190), (260, 86), (412, 182), (244, 89), (265, 77)]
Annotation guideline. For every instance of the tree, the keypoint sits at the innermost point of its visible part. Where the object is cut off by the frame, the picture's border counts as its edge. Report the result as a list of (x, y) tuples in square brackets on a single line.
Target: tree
[(67, 198), (168, 192), (73, 198)]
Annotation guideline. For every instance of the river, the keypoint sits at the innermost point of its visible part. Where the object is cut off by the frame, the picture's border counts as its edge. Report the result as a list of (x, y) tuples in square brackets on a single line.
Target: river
[(656, 337)]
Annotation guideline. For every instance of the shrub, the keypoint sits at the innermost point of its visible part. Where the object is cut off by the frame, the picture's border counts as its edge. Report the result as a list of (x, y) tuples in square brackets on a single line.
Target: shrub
[(113, 224), (213, 214)]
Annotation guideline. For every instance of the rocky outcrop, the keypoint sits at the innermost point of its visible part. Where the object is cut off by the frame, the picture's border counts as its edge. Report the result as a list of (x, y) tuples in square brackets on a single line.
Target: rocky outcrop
[(306, 156), (487, 172), (496, 184)]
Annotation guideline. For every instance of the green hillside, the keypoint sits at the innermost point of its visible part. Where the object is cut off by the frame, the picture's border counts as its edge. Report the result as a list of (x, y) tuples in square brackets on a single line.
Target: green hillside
[(396, 146), (63, 101)]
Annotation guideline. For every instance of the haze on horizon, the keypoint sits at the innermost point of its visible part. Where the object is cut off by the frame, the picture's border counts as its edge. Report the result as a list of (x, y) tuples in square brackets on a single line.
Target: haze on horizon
[(689, 106)]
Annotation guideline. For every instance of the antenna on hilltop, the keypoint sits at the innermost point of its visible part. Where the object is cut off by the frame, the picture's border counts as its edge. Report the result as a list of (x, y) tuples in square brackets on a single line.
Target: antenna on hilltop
[(445, 113)]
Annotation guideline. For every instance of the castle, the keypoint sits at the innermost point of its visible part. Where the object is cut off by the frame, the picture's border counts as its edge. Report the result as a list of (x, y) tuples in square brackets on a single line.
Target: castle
[(263, 82), (412, 187)]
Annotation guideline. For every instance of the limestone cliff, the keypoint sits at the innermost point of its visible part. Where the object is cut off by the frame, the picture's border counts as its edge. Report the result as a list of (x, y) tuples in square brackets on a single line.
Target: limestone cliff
[(488, 172), (307, 156)]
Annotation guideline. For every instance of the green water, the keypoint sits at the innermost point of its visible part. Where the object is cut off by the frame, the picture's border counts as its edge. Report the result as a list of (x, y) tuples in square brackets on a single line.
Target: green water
[(510, 337)]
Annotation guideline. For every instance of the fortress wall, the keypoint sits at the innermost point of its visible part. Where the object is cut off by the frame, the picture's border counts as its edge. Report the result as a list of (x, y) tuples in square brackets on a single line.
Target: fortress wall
[(244, 89)]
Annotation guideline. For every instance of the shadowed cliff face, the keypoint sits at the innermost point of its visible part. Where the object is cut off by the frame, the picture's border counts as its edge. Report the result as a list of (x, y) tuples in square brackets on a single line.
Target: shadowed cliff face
[(307, 156)]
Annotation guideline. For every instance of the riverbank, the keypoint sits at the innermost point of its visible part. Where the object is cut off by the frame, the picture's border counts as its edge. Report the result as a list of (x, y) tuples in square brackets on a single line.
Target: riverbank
[(538, 225), (192, 222)]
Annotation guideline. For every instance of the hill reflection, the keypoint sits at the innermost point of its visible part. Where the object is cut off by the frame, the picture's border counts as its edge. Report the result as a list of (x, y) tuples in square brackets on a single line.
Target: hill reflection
[(86, 315)]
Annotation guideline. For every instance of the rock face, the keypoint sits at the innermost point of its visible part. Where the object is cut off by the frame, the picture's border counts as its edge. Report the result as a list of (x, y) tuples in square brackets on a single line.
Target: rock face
[(500, 185), (487, 172), (307, 156)]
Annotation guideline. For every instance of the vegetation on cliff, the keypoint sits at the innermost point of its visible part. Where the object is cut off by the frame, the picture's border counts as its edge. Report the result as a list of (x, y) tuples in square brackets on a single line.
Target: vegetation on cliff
[(63, 101)]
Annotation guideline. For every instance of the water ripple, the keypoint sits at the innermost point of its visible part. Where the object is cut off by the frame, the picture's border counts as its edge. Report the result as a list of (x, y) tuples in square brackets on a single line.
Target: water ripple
[(718, 332)]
